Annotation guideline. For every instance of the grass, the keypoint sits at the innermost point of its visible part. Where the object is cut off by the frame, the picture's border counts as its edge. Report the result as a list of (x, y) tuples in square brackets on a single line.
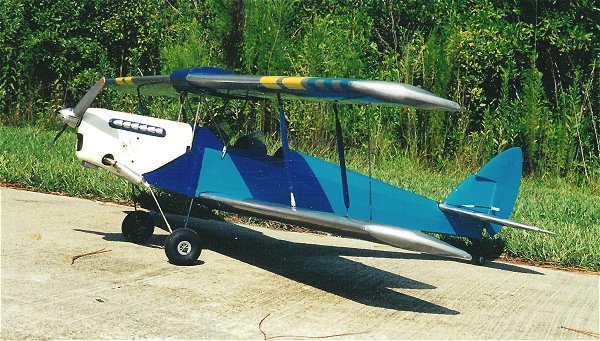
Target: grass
[(573, 212), (24, 163)]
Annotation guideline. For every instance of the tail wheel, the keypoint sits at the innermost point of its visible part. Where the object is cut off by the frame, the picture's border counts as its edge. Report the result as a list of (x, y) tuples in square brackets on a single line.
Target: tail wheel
[(137, 227), (478, 250), (479, 260), (183, 247)]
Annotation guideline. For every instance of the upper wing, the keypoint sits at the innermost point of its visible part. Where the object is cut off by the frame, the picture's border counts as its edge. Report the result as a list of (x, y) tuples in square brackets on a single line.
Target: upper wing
[(392, 235), (222, 83), (148, 85)]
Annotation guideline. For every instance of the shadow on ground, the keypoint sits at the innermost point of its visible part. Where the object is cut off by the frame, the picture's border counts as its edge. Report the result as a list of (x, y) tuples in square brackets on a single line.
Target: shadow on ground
[(322, 267)]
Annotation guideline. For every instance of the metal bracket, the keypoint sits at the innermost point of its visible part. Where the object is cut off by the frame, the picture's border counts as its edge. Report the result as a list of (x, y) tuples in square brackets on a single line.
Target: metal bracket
[(182, 98)]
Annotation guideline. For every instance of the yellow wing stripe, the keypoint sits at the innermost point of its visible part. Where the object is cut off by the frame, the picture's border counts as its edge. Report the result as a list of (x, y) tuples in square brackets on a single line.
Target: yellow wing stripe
[(270, 82), (293, 83), (124, 80), (276, 82)]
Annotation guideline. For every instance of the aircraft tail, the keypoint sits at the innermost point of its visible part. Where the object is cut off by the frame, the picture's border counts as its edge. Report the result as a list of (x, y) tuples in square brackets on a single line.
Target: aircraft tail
[(488, 197)]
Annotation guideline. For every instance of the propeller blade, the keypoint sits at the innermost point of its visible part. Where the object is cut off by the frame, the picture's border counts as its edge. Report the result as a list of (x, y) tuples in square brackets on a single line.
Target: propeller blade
[(56, 137), (89, 97)]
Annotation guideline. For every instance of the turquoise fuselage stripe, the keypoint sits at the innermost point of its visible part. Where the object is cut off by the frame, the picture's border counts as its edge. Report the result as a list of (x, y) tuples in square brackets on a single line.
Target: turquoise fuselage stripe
[(391, 205), (221, 176)]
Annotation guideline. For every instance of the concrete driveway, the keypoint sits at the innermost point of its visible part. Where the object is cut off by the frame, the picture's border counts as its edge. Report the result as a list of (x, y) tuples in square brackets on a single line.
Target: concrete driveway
[(306, 285)]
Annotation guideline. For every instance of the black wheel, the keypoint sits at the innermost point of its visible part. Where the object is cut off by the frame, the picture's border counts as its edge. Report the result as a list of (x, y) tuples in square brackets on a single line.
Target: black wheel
[(183, 247), (137, 227), (478, 260)]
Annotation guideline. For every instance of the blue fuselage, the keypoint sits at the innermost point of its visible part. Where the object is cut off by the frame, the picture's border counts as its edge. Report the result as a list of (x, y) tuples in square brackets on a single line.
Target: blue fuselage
[(250, 174)]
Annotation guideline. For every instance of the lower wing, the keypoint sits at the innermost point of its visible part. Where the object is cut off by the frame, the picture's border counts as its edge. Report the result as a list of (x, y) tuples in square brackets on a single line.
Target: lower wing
[(393, 235)]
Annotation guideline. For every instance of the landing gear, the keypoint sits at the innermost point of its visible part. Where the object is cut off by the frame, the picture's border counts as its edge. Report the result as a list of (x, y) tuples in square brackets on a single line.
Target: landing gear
[(183, 247), (137, 227), (478, 250)]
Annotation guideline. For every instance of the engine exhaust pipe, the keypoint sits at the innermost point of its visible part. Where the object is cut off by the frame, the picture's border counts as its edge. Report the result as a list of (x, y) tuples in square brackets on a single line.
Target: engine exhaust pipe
[(125, 171)]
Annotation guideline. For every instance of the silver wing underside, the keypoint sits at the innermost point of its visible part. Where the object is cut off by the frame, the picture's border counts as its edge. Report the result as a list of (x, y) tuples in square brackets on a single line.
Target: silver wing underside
[(392, 235)]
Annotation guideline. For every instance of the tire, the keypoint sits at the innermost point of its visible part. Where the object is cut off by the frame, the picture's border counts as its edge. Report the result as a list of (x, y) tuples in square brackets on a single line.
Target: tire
[(137, 227), (479, 260), (478, 252), (183, 247)]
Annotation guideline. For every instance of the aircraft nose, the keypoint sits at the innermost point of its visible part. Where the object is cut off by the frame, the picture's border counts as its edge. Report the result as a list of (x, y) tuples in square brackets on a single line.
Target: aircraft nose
[(67, 116)]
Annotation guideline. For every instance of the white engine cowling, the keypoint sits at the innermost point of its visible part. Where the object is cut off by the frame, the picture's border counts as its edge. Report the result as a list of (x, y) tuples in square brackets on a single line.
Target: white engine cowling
[(141, 143)]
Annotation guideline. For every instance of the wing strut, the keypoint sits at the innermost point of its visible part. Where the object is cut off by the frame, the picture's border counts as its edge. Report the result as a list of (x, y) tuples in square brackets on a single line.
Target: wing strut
[(286, 149), (182, 98), (212, 119), (368, 109), (340, 149), (141, 108)]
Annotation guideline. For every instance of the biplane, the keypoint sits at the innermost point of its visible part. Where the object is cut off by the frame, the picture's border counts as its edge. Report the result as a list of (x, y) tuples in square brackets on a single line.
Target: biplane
[(200, 164)]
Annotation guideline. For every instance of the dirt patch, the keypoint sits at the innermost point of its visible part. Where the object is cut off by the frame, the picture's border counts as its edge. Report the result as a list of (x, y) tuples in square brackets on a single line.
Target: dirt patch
[(547, 265)]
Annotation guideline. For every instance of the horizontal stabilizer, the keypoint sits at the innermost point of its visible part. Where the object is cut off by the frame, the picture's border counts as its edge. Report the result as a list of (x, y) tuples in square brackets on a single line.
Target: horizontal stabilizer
[(392, 235), (490, 219)]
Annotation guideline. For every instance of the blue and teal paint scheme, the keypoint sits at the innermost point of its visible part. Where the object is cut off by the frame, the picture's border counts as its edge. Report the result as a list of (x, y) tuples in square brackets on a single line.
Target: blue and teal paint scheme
[(247, 174), (294, 187), (288, 186)]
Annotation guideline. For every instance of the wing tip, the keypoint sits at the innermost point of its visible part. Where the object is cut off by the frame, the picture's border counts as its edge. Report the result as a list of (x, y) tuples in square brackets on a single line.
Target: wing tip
[(552, 233)]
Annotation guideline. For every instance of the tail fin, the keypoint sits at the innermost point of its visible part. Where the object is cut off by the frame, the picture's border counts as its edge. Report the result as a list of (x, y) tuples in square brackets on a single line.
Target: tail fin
[(494, 189), (490, 195)]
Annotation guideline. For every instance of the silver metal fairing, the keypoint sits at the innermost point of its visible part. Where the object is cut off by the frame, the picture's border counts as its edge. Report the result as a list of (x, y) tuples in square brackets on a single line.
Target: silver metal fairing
[(405, 94), (68, 117), (415, 241), (125, 172), (392, 235), (89, 165), (286, 214)]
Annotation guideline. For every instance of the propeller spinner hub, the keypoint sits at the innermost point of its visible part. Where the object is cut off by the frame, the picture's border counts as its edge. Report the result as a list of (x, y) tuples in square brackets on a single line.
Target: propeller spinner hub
[(71, 117), (68, 117)]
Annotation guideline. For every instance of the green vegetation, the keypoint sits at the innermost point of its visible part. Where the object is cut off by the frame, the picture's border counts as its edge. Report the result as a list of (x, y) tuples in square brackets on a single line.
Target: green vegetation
[(25, 164), (551, 204), (527, 73)]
